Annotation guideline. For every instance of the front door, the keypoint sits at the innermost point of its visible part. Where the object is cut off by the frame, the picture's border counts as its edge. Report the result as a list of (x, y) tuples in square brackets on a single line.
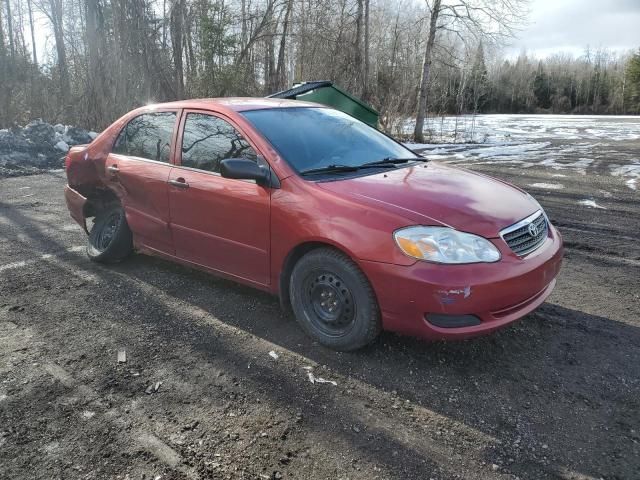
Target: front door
[(138, 169), (219, 223)]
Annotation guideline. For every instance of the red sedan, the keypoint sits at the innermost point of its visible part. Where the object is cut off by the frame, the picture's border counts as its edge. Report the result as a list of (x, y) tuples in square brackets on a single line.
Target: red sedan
[(351, 229)]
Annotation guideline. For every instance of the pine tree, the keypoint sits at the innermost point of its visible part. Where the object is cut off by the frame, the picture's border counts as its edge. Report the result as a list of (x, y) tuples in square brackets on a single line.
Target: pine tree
[(632, 81), (479, 84), (541, 88)]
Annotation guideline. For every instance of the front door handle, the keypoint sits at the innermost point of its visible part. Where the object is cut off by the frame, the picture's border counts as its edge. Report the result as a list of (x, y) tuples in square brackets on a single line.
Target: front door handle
[(179, 182), (113, 168)]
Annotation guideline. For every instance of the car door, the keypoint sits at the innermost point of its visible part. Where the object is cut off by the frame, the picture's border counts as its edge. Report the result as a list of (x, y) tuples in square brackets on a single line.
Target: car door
[(219, 223), (138, 170)]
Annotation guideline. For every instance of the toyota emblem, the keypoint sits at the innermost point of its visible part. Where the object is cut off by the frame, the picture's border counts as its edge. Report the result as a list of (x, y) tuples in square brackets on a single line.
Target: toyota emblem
[(533, 230)]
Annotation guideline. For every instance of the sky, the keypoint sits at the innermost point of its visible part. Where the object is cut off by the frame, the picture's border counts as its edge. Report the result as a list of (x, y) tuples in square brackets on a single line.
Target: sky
[(572, 25)]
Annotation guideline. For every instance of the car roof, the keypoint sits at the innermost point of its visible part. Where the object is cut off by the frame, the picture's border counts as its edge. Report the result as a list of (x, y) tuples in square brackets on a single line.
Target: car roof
[(238, 104)]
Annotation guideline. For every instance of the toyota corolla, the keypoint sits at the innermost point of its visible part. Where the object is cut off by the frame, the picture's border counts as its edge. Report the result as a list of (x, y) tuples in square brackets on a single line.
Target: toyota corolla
[(353, 231)]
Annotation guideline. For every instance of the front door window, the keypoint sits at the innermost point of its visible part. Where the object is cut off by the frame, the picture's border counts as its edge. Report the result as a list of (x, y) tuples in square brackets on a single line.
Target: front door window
[(208, 140)]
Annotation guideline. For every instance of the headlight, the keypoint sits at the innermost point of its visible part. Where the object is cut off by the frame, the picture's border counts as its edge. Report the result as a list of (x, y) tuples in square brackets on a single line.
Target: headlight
[(445, 245)]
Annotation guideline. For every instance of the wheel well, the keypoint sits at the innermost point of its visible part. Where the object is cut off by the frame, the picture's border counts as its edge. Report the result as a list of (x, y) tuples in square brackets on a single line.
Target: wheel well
[(97, 200), (290, 261)]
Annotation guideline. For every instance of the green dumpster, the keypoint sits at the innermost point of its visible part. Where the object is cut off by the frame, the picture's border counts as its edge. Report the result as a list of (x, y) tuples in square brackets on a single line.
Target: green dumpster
[(327, 93)]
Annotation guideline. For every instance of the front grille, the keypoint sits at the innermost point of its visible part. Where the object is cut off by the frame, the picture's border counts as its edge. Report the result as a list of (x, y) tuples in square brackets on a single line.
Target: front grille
[(519, 237)]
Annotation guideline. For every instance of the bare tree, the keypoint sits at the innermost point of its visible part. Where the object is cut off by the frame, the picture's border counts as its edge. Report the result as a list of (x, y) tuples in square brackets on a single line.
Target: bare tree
[(366, 94), (357, 51), (53, 9), (177, 20), (492, 20), (418, 134), (12, 49), (280, 73), (33, 35), (403, 57), (3, 48)]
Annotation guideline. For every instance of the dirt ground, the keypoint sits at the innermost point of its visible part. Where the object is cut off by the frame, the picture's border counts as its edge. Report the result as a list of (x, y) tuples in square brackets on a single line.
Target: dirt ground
[(556, 395)]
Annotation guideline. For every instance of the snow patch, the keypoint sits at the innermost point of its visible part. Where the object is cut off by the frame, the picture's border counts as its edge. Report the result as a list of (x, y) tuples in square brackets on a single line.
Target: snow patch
[(548, 186), (508, 150), (630, 172), (590, 204), (420, 146)]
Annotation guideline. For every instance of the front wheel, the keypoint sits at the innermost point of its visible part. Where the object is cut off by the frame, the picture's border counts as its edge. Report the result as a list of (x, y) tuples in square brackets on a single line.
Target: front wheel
[(333, 300), (110, 239)]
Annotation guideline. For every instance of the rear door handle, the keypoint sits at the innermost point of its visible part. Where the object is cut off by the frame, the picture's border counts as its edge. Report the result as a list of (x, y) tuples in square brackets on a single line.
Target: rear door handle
[(179, 182), (113, 168)]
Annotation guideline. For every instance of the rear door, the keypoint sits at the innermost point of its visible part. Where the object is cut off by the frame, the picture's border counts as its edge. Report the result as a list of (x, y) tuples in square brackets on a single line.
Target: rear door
[(138, 169), (220, 223)]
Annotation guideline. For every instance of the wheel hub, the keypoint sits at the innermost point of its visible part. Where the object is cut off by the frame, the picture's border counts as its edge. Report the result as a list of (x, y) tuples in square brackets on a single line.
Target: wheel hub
[(331, 302)]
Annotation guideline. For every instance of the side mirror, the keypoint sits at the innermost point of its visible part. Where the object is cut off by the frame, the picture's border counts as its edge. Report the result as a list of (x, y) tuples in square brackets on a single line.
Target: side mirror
[(245, 169)]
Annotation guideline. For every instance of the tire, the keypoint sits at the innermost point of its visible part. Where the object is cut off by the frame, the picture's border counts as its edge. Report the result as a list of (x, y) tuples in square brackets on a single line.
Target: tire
[(110, 239), (333, 301)]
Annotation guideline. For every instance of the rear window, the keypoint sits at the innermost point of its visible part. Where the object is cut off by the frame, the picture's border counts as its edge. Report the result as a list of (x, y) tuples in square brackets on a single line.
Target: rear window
[(309, 137), (147, 136)]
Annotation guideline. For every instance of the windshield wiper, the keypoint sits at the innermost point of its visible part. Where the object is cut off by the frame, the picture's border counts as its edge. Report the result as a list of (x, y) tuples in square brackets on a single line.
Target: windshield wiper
[(393, 161), (333, 168)]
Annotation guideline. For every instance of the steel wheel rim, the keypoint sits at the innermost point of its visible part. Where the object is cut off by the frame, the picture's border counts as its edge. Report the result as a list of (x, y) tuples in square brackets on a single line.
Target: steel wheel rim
[(329, 304), (108, 231)]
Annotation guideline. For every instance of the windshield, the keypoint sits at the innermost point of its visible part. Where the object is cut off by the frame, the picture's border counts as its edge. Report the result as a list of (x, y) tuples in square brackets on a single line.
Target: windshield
[(314, 138)]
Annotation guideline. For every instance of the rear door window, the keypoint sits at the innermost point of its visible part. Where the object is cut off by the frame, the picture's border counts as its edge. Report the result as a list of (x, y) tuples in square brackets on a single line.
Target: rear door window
[(147, 136), (207, 140)]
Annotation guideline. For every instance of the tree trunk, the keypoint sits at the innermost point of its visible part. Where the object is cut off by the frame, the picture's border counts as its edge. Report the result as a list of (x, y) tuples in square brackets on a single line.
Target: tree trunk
[(366, 93), (358, 44), (280, 73), (33, 35), (243, 32), (3, 48), (12, 48), (5, 102), (164, 24), (177, 17), (418, 135), (63, 69), (269, 61), (96, 46), (192, 68)]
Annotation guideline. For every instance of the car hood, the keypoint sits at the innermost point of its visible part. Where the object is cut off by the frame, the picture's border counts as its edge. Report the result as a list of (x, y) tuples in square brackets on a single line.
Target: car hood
[(436, 194)]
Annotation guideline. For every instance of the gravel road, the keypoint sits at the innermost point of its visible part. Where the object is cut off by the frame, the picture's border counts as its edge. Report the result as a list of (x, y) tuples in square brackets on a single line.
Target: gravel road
[(556, 395)]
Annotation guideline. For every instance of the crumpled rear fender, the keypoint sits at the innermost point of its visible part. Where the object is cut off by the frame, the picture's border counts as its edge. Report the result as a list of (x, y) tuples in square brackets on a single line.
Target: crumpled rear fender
[(76, 203)]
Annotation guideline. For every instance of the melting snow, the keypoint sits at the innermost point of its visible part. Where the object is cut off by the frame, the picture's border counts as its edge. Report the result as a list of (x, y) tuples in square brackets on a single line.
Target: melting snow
[(631, 172), (590, 204), (548, 186), (524, 141), (492, 128)]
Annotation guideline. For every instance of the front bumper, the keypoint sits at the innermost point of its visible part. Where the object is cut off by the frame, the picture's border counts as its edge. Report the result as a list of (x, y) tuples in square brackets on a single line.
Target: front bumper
[(496, 293)]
